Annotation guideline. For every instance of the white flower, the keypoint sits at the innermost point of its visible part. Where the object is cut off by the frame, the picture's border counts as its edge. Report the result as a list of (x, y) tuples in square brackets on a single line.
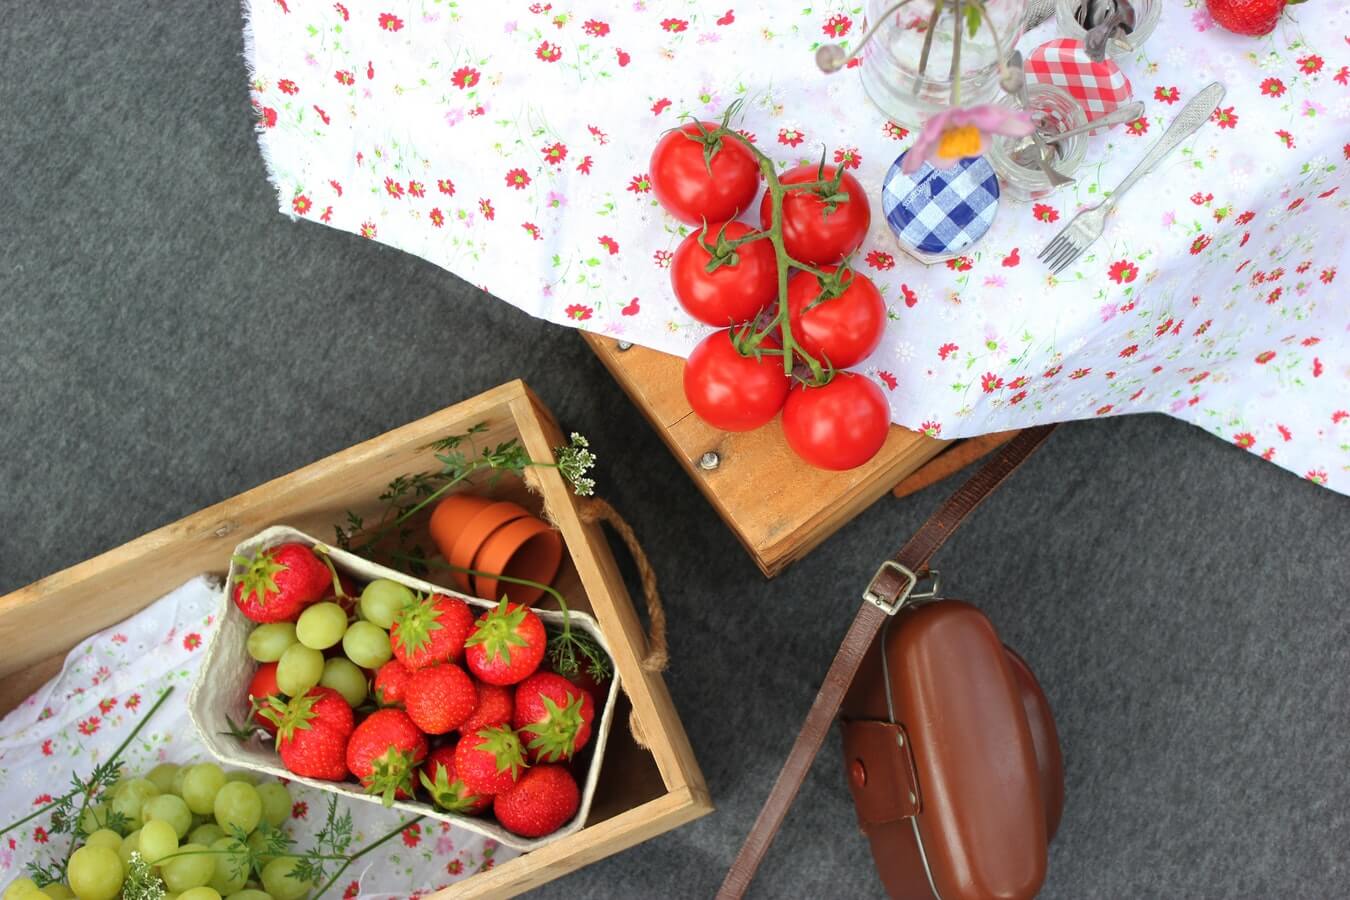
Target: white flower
[(904, 351)]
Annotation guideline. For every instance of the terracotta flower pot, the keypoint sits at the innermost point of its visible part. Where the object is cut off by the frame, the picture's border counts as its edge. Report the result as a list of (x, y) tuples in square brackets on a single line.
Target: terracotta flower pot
[(526, 548), (476, 532), (450, 516)]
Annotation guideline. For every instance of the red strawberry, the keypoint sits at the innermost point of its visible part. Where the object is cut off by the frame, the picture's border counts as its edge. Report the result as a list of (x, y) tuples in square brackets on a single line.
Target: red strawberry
[(439, 698), (447, 789), (1250, 17), (506, 645), (490, 760), (431, 630), (263, 686), (384, 752), (553, 717), (543, 801), (312, 733), (391, 683), (277, 584), (495, 705)]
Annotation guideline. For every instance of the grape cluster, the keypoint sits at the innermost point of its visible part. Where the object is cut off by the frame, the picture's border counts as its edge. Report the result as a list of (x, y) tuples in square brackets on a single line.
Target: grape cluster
[(327, 647), (186, 824)]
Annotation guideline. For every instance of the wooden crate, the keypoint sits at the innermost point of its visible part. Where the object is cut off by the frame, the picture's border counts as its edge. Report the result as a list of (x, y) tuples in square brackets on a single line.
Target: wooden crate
[(779, 507), (643, 791)]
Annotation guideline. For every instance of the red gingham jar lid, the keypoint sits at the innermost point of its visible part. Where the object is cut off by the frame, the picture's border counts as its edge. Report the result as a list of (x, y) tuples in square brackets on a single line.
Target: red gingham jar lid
[(1099, 87)]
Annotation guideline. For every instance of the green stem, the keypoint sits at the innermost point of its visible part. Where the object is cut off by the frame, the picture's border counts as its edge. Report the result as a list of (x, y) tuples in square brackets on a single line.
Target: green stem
[(954, 73), (928, 43), (791, 349), (362, 852), (88, 793)]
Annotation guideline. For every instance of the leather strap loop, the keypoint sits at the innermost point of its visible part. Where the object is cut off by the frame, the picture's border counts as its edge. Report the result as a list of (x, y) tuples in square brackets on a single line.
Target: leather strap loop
[(888, 586)]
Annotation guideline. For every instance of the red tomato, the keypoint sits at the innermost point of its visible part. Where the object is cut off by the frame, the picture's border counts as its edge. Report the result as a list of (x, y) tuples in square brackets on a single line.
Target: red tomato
[(839, 426), (264, 685), (730, 391), (843, 330), (810, 234), (689, 191), (730, 294)]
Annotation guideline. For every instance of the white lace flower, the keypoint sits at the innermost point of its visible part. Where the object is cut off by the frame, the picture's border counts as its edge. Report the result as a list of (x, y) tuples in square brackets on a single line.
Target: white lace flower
[(904, 351)]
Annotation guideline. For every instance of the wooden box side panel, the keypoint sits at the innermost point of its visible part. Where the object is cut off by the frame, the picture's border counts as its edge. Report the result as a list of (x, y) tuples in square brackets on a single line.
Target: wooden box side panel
[(48, 617)]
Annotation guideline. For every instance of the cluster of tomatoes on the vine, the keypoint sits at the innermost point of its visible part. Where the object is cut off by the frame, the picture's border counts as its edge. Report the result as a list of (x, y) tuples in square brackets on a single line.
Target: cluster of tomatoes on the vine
[(793, 313)]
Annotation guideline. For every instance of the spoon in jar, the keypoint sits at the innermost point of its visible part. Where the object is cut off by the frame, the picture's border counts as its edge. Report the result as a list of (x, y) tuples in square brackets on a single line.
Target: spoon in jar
[(1023, 151), (1015, 82), (1095, 41)]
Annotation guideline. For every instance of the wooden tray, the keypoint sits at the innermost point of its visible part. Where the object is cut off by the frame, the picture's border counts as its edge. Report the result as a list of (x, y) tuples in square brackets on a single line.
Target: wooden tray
[(642, 791), (779, 507)]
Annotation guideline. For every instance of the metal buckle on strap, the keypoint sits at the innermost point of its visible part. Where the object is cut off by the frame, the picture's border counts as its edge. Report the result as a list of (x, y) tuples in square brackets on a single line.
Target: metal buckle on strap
[(906, 594)]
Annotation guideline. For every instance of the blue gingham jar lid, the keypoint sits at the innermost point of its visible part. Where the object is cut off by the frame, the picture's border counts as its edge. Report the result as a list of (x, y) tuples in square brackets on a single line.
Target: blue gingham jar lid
[(941, 211)]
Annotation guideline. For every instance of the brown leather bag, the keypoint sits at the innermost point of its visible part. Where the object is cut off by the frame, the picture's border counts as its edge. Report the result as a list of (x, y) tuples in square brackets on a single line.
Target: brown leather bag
[(950, 749)]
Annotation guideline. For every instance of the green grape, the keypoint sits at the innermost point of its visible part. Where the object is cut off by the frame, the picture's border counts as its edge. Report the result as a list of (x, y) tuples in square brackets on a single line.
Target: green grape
[(190, 867), (250, 894), (231, 868), (206, 834), (238, 808), (382, 599), (277, 880), (23, 889), (276, 802), (95, 873), (257, 842), (57, 891), (105, 837), (367, 645), (178, 780), (130, 796), (130, 844), (164, 776), (240, 775), (95, 817), (345, 677), (158, 839), (200, 785), (322, 625), (267, 642), (299, 669), (200, 893), (171, 809)]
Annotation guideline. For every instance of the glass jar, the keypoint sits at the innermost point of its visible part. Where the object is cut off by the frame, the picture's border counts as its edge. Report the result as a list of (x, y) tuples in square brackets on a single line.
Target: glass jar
[(907, 68), (1055, 111), (1146, 14)]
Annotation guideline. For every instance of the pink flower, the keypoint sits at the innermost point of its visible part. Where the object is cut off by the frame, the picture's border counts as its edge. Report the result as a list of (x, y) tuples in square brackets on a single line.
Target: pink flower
[(790, 137), (849, 159), (595, 28), (464, 77), (880, 260), (1167, 95), (517, 178), (957, 133), (837, 26), (390, 22), (1044, 213), (286, 86), (1272, 87), (578, 312), (1225, 117)]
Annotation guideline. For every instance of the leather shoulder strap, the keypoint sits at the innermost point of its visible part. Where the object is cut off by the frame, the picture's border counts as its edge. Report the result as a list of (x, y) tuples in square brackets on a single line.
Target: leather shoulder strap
[(888, 586)]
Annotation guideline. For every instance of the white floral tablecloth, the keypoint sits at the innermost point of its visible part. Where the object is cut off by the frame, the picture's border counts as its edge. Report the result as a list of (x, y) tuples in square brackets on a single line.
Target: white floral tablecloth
[(110, 680), (508, 142)]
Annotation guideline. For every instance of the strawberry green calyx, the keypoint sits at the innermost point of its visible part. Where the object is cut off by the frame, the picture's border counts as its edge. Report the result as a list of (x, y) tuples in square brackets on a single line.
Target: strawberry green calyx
[(555, 735), (416, 622), (501, 742), (259, 575), (392, 772), (291, 716), (451, 796), (499, 630)]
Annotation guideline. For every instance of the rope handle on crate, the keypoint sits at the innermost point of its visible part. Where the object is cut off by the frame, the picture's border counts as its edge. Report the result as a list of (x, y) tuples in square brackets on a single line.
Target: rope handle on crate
[(594, 510)]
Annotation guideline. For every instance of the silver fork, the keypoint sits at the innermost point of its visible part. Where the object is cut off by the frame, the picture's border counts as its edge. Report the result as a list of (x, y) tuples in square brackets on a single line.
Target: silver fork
[(1089, 224)]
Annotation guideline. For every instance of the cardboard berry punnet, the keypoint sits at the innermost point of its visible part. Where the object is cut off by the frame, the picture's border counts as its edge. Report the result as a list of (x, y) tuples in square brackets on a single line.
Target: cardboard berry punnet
[(220, 694)]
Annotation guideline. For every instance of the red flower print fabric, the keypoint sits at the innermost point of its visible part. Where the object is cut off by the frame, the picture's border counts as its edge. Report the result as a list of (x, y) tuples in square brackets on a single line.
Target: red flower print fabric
[(510, 144)]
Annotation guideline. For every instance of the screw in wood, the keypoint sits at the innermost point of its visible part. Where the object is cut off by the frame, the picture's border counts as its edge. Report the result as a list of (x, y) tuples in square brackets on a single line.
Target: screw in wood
[(709, 461), (624, 345)]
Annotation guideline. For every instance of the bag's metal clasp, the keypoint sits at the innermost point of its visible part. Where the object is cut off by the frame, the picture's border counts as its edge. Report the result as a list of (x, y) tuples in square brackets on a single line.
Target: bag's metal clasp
[(906, 594)]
